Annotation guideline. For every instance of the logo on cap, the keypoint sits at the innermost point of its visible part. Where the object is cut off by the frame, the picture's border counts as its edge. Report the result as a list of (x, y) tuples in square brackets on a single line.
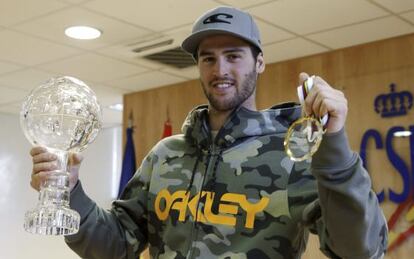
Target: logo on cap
[(218, 18)]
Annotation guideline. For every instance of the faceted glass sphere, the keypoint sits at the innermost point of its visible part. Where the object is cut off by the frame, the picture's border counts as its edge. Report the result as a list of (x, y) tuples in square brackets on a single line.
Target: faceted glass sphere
[(62, 114)]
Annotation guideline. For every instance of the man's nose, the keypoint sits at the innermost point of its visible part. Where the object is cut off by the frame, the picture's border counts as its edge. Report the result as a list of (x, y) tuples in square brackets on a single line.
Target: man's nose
[(221, 67)]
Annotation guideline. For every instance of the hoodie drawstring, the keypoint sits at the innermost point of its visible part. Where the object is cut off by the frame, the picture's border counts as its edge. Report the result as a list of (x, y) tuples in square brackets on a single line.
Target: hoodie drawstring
[(193, 172), (212, 182)]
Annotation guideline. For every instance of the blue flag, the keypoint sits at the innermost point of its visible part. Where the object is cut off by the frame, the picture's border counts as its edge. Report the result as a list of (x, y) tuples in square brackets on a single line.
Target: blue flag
[(128, 164)]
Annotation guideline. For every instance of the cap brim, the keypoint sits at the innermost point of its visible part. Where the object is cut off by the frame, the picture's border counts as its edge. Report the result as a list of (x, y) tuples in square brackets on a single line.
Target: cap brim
[(190, 44)]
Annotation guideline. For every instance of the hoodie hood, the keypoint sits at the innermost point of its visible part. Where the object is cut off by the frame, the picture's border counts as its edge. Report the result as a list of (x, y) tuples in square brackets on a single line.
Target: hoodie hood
[(241, 123)]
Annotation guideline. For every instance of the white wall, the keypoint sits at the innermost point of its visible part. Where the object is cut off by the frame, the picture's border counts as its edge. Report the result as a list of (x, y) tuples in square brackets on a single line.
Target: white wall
[(99, 174)]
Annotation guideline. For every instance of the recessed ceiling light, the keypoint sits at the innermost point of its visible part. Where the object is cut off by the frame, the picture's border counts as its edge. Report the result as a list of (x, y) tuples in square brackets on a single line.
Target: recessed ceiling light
[(83, 32)]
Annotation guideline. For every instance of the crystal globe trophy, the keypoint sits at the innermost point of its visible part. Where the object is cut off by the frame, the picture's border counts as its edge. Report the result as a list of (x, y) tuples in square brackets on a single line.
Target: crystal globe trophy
[(64, 116)]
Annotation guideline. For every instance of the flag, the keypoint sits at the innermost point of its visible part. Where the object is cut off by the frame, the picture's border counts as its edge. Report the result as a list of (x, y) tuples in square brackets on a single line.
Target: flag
[(167, 129), (396, 238), (128, 163)]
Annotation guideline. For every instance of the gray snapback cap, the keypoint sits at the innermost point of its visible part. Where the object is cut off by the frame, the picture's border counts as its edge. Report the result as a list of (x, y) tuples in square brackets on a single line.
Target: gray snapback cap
[(223, 20)]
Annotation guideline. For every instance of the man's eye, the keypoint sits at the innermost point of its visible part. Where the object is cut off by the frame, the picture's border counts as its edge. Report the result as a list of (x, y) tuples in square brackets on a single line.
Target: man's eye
[(233, 57), (208, 59)]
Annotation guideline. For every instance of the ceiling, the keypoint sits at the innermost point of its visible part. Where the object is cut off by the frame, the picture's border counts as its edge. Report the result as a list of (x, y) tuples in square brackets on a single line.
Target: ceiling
[(33, 47)]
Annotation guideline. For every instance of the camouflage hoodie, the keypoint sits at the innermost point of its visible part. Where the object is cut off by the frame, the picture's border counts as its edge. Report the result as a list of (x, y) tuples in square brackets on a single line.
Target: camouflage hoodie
[(236, 196)]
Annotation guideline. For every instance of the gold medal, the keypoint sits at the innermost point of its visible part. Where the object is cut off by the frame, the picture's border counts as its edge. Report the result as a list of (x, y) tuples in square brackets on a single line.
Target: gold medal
[(304, 136)]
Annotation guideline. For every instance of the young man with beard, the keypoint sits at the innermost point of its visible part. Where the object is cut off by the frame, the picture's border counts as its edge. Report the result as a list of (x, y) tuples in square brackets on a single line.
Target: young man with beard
[(225, 188)]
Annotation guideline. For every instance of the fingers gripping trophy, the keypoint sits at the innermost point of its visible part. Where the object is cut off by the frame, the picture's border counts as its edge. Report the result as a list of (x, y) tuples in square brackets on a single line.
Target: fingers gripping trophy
[(64, 116)]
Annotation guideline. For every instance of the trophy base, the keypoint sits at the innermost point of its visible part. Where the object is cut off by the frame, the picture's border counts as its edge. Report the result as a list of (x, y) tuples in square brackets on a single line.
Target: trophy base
[(52, 220)]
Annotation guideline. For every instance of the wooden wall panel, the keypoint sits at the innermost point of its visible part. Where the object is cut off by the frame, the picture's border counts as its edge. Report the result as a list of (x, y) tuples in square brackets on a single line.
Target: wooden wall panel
[(149, 112), (361, 72)]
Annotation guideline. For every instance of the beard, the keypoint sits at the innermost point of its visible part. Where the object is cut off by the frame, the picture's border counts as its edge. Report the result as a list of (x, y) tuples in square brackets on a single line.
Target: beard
[(246, 90)]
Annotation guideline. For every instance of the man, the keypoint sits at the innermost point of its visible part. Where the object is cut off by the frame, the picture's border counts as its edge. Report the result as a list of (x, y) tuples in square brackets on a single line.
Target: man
[(225, 187)]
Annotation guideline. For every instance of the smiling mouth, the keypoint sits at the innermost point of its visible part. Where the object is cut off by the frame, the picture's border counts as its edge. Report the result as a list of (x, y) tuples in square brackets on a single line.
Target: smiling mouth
[(222, 85)]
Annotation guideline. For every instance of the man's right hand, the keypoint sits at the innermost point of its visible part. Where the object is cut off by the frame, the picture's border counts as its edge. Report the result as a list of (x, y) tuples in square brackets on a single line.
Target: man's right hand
[(45, 162)]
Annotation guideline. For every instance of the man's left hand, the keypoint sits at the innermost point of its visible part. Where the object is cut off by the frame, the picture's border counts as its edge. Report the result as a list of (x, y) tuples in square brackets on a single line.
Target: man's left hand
[(323, 99)]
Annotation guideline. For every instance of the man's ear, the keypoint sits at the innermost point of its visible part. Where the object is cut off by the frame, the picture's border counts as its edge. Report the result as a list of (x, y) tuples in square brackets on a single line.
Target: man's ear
[(260, 64)]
